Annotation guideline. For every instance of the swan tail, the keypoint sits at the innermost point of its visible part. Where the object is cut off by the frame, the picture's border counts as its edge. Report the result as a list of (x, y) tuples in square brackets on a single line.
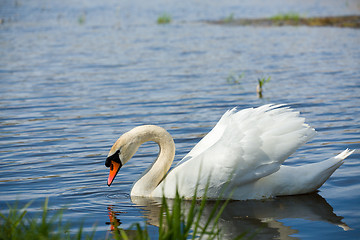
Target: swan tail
[(344, 154), (309, 177), (329, 166), (338, 160)]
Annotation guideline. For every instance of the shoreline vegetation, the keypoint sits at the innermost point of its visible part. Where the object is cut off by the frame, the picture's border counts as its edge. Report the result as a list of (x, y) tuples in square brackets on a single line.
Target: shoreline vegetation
[(175, 222), (292, 19)]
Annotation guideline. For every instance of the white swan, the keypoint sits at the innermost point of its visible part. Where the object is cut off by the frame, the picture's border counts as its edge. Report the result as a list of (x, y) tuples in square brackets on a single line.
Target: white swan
[(240, 158)]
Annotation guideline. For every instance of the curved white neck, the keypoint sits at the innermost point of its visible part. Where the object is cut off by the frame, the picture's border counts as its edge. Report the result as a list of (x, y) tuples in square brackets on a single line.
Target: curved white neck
[(151, 178)]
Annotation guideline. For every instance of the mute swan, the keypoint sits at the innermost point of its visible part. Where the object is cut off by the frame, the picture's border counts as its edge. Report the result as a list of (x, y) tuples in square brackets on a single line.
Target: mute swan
[(240, 158)]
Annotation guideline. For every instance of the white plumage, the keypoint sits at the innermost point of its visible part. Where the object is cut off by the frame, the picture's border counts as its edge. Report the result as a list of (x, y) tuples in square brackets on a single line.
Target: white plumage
[(240, 158)]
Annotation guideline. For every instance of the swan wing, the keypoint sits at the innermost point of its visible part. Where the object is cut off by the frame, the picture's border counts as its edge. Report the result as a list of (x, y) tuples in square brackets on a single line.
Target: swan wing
[(243, 147), (211, 138)]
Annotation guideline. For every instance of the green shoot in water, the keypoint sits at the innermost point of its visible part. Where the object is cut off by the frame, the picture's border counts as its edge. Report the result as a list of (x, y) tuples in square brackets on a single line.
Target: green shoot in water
[(235, 78), (286, 17), (263, 80), (229, 18), (261, 83), (164, 19)]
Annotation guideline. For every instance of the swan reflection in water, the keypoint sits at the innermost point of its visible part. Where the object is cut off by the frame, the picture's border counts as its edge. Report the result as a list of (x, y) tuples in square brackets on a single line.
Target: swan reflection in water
[(252, 216)]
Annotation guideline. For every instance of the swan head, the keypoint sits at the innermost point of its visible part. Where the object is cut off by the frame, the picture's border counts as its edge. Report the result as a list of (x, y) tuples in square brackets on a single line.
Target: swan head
[(127, 145), (120, 153)]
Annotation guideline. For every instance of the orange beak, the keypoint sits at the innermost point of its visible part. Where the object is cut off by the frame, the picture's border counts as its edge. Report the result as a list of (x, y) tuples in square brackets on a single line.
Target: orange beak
[(114, 169), (114, 163)]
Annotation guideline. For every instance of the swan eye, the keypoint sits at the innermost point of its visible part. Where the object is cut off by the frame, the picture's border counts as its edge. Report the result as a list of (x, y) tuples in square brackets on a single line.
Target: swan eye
[(115, 157)]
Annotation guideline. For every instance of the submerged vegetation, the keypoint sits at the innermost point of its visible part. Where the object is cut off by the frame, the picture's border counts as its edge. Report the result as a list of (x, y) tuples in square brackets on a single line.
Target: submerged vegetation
[(229, 18), (164, 19), (261, 83), (235, 78), (295, 19), (286, 17), (82, 18), (174, 223)]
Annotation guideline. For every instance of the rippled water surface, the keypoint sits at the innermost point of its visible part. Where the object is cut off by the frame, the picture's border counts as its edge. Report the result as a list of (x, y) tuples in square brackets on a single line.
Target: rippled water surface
[(75, 75)]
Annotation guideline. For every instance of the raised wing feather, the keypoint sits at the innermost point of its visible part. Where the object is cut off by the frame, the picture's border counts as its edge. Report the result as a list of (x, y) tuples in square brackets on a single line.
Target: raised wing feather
[(243, 147), (211, 138)]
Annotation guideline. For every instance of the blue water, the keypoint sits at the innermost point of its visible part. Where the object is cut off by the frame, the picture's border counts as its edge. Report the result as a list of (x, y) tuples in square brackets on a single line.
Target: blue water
[(75, 75)]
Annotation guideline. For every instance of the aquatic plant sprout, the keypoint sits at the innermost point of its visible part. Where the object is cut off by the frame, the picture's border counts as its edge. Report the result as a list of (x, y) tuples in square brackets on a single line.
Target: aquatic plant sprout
[(164, 19), (263, 80), (229, 18), (286, 17), (235, 78)]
